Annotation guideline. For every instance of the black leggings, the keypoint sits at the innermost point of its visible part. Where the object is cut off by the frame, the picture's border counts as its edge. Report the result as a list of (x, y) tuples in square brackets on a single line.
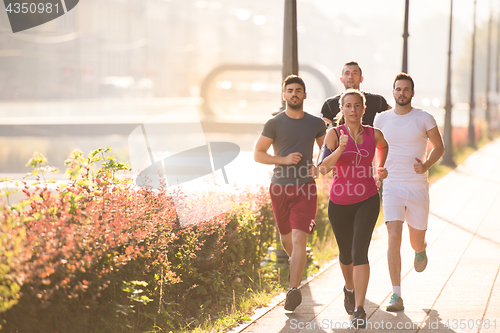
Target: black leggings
[(353, 227)]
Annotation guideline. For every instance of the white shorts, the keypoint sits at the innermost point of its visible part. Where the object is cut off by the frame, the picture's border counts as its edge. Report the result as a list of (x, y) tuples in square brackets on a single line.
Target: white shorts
[(408, 201)]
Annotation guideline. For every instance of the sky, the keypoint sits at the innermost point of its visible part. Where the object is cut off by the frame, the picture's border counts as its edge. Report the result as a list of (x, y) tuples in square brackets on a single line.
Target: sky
[(419, 9), (381, 22)]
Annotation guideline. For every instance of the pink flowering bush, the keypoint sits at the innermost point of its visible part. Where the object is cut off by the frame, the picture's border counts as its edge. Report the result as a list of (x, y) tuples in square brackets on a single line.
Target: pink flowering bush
[(100, 255)]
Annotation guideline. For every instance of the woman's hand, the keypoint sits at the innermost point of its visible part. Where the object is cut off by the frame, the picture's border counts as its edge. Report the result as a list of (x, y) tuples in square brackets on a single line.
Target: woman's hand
[(381, 174), (344, 138)]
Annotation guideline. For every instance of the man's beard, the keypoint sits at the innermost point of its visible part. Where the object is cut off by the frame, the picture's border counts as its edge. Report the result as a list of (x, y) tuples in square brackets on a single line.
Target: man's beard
[(295, 106), (406, 102), (351, 86)]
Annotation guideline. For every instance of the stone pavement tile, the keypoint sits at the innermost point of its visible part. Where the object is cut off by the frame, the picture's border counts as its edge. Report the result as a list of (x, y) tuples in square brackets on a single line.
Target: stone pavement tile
[(465, 296), (334, 314), (313, 300), (445, 203), (278, 321), (484, 161), (491, 320), (446, 191), (336, 320), (383, 321), (490, 228), (470, 214), (435, 324), (443, 256), (481, 166), (310, 327), (379, 286), (325, 287), (484, 250), (435, 227)]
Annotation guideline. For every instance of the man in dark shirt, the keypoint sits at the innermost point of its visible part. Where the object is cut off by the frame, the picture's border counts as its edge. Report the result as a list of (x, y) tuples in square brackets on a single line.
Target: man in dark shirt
[(292, 134), (351, 79)]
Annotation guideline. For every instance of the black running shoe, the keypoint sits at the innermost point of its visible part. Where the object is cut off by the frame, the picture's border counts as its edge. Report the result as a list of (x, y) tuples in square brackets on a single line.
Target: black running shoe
[(349, 301), (293, 299), (358, 318)]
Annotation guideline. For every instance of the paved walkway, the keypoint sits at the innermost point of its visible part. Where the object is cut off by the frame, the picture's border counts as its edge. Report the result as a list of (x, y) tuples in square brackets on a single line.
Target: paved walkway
[(458, 292)]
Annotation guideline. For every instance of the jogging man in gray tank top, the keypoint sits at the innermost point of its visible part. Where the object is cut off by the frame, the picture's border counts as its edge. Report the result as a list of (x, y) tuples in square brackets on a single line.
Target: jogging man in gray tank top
[(292, 134)]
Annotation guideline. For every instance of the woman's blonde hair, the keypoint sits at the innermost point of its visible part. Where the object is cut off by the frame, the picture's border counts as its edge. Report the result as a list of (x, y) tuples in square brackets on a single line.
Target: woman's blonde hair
[(339, 119)]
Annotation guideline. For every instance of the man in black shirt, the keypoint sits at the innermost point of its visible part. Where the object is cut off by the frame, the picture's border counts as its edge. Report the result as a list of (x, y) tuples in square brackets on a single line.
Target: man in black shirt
[(351, 79)]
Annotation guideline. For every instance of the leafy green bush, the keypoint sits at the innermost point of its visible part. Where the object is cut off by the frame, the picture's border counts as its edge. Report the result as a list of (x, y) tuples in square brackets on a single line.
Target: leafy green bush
[(12, 256)]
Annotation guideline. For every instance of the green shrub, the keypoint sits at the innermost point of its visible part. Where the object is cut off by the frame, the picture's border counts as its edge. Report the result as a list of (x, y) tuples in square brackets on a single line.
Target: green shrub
[(12, 255), (101, 255)]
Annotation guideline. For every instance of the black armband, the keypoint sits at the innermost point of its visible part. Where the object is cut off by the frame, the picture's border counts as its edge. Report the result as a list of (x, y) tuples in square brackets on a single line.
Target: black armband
[(324, 153)]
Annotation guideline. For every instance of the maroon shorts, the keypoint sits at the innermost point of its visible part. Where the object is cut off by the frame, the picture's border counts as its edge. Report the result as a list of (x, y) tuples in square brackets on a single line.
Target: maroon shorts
[(295, 207)]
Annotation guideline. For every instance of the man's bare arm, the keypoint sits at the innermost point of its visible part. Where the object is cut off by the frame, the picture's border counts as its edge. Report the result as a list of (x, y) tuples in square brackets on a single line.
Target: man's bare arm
[(435, 154), (261, 155)]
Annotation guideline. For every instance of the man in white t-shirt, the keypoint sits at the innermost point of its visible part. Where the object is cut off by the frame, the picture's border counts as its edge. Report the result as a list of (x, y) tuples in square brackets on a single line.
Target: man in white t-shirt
[(406, 188)]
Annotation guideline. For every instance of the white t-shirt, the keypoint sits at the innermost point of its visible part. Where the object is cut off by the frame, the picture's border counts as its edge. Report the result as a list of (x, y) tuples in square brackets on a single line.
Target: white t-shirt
[(407, 138)]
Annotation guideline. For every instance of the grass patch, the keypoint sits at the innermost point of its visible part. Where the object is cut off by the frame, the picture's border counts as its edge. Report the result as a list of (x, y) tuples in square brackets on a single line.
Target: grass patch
[(325, 247), (258, 294), (240, 311)]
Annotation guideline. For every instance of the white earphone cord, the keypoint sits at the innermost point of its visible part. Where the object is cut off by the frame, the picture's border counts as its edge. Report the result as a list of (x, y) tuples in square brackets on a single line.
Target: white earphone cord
[(359, 155)]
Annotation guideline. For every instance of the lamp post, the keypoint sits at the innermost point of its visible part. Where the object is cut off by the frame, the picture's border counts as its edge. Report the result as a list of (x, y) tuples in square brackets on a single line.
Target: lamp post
[(488, 68), (290, 49), (448, 143), (472, 104), (290, 66), (498, 55), (405, 38), (497, 67)]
